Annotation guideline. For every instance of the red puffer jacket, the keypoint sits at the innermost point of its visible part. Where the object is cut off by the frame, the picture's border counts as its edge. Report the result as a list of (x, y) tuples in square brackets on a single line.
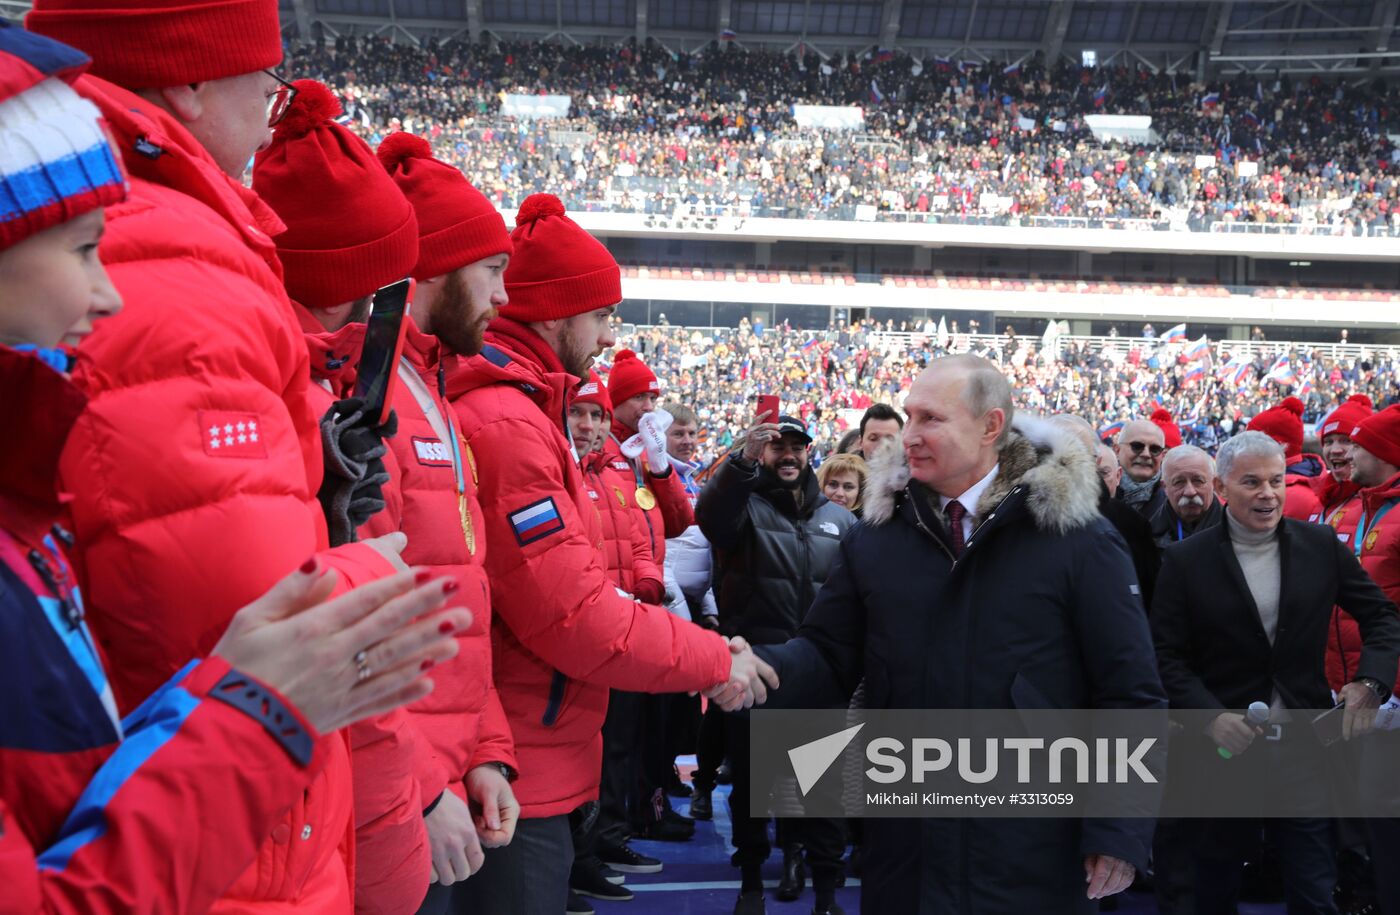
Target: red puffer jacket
[(156, 813), (1378, 548), (673, 512), (391, 761), (1301, 501), (562, 635), (462, 720), (626, 544), (194, 469), (1343, 636)]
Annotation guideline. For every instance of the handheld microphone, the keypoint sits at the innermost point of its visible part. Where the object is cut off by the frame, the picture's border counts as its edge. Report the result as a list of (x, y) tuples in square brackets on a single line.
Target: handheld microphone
[(1256, 716)]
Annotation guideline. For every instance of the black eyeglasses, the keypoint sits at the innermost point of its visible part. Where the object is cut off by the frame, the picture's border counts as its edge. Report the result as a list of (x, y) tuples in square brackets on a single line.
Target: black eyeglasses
[(279, 102), (1153, 450)]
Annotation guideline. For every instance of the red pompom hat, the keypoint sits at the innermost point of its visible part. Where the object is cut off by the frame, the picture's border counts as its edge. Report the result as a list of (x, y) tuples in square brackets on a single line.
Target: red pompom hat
[(457, 225), (153, 44), (595, 392), (1283, 424), (558, 270), (1171, 432), (1346, 416), (1379, 434), (349, 228), (629, 377)]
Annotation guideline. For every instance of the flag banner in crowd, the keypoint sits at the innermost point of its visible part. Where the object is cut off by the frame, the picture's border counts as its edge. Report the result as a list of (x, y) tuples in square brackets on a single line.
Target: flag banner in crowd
[(1175, 334), (1101, 95), (728, 35), (1198, 349), (1210, 100), (1281, 372), (1012, 69), (829, 117), (1194, 374), (884, 54), (535, 107), (1051, 763), (875, 94)]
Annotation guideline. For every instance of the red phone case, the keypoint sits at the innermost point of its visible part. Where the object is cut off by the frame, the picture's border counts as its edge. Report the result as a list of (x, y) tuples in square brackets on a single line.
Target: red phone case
[(767, 403)]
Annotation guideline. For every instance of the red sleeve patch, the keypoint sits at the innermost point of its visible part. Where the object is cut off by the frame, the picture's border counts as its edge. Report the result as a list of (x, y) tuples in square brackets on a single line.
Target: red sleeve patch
[(232, 435)]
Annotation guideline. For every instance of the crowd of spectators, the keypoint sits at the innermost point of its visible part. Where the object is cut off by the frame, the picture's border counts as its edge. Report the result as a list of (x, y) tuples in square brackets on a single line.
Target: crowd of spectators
[(829, 377), (713, 132)]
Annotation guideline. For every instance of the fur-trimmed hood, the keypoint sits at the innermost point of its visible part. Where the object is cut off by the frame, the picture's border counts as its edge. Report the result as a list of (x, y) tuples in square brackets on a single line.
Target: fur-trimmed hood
[(1061, 475)]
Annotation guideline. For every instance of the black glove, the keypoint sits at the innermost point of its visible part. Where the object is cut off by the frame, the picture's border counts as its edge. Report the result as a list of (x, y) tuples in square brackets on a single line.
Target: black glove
[(352, 489)]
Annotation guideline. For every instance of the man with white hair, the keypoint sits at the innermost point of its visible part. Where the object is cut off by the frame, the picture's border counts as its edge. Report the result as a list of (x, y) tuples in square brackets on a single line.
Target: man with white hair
[(1188, 478), (1241, 614)]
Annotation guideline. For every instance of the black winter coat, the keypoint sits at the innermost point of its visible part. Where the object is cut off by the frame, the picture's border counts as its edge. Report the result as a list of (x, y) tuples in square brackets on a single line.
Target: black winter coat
[(1042, 611), (772, 553)]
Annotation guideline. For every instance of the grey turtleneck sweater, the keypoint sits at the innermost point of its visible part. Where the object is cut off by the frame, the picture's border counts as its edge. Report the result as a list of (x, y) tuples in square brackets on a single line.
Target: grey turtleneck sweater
[(1259, 558)]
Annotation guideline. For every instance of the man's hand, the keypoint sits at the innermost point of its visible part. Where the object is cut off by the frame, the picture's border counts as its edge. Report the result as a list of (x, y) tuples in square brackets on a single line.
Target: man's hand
[(758, 436), (1230, 732), (750, 678), (652, 428), (493, 805), (1359, 716), (452, 837), (1107, 876)]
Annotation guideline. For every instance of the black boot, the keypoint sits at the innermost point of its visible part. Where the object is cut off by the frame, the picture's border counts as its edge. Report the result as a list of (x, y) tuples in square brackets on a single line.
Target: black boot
[(794, 874), (701, 807)]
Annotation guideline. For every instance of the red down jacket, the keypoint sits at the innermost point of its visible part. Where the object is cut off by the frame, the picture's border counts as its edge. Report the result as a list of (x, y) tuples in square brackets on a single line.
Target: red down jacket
[(1379, 551), (181, 525), (626, 543), (673, 512), (77, 785), (390, 760), (562, 634)]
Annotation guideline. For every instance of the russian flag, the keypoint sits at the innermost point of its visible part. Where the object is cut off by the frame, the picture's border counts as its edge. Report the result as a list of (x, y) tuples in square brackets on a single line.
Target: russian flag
[(1282, 372), (536, 521), (1012, 69), (1110, 430), (1100, 95), (1195, 373), (884, 54), (1251, 117), (1198, 350), (728, 35), (807, 347), (876, 95), (1175, 334), (942, 64), (1210, 100)]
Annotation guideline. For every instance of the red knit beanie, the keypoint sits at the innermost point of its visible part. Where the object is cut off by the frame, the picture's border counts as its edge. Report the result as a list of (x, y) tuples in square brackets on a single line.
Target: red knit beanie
[(558, 270), (595, 392), (349, 228), (1379, 434), (1346, 416), (1283, 424), (158, 43), (457, 225), (630, 377), (1171, 432)]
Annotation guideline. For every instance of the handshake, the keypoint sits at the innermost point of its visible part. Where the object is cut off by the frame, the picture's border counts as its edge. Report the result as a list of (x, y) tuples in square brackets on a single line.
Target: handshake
[(750, 678)]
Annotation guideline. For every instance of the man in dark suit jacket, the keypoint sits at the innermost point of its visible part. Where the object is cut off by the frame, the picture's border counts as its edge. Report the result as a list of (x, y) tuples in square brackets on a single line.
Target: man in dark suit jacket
[(1241, 615)]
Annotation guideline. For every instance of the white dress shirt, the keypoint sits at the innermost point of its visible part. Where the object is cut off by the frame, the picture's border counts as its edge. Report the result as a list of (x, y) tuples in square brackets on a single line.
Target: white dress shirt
[(969, 500)]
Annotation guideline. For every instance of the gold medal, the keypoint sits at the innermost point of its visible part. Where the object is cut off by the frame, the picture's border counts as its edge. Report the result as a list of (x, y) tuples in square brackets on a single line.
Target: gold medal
[(645, 500), (1336, 519), (468, 531), (1371, 539), (471, 461)]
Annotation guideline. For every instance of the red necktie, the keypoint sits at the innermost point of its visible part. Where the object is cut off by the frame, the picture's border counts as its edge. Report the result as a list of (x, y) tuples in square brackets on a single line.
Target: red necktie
[(956, 513)]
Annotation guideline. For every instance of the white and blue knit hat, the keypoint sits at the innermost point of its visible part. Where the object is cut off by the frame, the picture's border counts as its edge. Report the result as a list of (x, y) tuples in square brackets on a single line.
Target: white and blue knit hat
[(56, 162)]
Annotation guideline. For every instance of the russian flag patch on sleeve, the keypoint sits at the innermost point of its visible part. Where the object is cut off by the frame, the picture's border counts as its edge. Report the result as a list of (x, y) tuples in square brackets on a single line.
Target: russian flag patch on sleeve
[(536, 521)]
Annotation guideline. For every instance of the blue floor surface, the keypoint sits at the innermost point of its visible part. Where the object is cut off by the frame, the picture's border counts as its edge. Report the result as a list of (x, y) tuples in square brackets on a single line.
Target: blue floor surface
[(698, 879)]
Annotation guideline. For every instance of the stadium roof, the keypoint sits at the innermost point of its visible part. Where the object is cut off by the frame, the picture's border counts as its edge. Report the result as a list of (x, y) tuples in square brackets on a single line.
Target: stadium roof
[(1200, 36)]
